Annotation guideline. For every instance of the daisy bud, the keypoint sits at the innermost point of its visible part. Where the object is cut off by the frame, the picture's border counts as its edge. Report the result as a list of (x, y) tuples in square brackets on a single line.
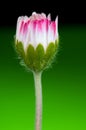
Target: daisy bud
[(36, 40)]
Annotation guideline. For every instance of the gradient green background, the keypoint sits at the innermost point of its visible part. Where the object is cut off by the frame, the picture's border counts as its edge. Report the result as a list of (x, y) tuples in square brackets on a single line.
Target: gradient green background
[(64, 85)]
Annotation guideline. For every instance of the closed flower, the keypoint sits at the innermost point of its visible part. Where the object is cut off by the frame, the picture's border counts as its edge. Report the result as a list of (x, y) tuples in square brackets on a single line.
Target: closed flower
[(37, 40)]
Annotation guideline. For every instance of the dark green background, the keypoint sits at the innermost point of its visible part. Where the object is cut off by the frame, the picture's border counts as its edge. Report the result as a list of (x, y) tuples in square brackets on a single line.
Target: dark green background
[(64, 85)]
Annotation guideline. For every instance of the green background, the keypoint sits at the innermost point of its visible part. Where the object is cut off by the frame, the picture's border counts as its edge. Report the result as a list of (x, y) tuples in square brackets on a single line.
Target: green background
[(64, 85)]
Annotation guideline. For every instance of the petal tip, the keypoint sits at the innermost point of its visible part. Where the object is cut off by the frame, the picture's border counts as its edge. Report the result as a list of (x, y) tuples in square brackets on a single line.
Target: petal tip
[(34, 13), (49, 16)]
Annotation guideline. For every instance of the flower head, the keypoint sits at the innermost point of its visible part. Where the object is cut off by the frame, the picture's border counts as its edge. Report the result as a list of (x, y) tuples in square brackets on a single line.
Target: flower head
[(36, 40)]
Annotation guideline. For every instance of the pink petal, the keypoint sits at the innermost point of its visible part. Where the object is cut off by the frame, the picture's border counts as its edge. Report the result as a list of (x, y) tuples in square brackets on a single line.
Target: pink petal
[(37, 29), (21, 26), (25, 27), (53, 27), (35, 23), (47, 24)]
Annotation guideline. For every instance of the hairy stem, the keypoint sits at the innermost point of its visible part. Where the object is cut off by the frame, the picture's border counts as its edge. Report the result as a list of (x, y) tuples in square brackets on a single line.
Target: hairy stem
[(38, 95)]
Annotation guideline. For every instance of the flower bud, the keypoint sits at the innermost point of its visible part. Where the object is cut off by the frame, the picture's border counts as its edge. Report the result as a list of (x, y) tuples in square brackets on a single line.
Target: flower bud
[(37, 40)]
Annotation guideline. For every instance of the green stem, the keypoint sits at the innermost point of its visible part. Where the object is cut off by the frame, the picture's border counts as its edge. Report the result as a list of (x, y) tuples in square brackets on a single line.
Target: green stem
[(38, 94)]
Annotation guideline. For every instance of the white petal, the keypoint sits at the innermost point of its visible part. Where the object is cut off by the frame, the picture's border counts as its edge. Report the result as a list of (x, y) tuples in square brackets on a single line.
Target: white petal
[(56, 21), (43, 15), (51, 36), (49, 16), (33, 13), (18, 28)]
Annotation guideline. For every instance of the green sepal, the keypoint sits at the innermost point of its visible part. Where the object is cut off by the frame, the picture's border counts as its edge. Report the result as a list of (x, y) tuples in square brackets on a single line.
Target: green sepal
[(50, 53), (30, 57), (37, 59), (20, 49), (56, 44), (34, 57)]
